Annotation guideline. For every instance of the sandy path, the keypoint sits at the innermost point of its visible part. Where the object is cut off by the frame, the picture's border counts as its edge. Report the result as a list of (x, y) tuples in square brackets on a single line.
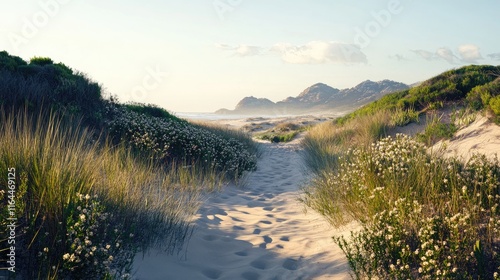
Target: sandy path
[(259, 231)]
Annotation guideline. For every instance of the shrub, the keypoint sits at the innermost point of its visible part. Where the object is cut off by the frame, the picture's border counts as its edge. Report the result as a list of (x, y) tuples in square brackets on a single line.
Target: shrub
[(38, 60), (494, 105), (402, 117), (167, 140)]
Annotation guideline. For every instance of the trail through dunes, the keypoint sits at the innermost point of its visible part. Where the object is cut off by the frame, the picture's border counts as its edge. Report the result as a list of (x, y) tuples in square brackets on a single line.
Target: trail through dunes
[(259, 231)]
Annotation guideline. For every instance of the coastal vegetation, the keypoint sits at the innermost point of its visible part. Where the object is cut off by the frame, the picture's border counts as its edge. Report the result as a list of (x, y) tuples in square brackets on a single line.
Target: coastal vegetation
[(96, 181), (422, 216)]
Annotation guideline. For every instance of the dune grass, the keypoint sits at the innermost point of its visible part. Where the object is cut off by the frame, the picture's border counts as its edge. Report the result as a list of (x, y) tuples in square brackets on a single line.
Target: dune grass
[(325, 142), (85, 207)]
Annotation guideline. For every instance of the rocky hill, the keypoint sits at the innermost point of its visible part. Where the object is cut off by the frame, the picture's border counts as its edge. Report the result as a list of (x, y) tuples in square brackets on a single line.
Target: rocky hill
[(318, 98)]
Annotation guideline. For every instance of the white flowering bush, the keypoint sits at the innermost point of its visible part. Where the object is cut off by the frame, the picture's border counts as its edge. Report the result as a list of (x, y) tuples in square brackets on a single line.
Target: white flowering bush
[(96, 245), (173, 140), (422, 217)]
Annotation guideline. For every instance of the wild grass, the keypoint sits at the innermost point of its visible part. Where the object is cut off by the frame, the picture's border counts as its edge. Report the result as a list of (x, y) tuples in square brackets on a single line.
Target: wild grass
[(85, 208), (325, 142), (402, 117), (282, 132), (436, 130)]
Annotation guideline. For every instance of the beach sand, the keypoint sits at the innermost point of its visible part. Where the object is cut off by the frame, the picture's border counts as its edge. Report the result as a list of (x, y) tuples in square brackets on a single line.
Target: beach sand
[(256, 231)]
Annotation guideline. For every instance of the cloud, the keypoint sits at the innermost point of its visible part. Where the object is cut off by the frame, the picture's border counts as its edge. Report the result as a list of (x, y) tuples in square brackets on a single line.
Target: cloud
[(398, 57), (469, 53), (446, 54), (317, 52), (427, 55), (241, 50), (494, 56)]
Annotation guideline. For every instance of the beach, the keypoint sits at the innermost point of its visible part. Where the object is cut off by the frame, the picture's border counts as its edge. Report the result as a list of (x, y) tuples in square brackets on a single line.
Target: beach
[(259, 230)]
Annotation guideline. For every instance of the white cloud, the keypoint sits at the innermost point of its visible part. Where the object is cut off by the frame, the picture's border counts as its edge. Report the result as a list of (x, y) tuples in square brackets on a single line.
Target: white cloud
[(241, 50), (398, 57), (469, 53), (316, 52), (446, 54), (425, 54)]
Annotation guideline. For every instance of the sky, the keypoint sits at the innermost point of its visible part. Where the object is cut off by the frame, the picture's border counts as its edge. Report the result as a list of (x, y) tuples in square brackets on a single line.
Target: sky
[(203, 55)]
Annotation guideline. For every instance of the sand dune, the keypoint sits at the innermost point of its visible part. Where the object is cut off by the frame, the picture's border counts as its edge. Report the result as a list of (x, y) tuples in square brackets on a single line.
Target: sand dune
[(259, 231), (482, 137)]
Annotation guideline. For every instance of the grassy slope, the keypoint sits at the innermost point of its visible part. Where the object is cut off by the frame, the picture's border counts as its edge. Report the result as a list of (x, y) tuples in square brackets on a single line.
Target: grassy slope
[(423, 217)]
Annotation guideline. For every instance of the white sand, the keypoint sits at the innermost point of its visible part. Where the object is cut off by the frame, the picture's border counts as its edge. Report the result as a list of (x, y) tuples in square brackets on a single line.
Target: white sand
[(259, 231), (482, 136)]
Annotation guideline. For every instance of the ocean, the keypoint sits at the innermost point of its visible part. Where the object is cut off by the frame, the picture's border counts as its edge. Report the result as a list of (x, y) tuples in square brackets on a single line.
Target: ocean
[(215, 117)]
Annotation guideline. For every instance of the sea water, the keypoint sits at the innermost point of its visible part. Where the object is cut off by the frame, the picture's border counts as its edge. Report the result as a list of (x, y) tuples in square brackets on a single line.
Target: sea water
[(215, 117)]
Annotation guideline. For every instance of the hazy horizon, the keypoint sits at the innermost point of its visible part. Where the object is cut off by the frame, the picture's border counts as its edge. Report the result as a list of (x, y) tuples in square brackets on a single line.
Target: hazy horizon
[(200, 56)]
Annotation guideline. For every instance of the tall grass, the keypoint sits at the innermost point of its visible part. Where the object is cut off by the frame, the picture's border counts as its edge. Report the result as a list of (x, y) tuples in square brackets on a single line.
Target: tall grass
[(85, 208), (325, 142)]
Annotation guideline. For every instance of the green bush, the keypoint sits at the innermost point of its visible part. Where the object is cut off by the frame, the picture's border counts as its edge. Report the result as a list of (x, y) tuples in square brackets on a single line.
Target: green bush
[(42, 61), (495, 105)]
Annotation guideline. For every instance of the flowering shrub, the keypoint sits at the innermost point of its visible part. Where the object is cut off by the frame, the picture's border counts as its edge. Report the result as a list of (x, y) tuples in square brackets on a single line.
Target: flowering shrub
[(423, 217), (172, 140), (94, 242)]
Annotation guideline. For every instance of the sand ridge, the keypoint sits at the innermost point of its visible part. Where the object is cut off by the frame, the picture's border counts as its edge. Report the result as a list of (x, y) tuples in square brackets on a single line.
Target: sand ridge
[(259, 231)]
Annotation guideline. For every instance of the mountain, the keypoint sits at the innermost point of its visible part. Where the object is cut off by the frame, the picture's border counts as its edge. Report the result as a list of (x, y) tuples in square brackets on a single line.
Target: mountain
[(318, 98)]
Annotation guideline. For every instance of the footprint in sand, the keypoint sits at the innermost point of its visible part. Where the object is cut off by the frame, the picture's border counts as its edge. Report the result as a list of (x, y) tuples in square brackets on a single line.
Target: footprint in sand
[(241, 254), (250, 275), (256, 231), (291, 264), (266, 222), (236, 219), (253, 204), (285, 238), (268, 208), (259, 264), (238, 228), (210, 237), (267, 239), (268, 195), (211, 273)]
